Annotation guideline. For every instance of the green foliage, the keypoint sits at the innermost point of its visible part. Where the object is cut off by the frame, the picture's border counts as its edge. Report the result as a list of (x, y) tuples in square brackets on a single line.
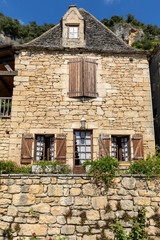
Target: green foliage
[(119, 232), (138, 228), (33, 213), (14, 28), (8, 233), (151, 32), (8, 167), (55, 167), (103, 170), (150, 166)]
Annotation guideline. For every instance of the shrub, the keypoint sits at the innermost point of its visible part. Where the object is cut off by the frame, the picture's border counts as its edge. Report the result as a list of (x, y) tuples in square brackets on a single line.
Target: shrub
[(8, 167), (149, 166), (103, 170)]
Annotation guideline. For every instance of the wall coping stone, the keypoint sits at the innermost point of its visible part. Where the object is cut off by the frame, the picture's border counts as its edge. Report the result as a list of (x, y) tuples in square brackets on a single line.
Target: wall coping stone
[(70, 175)]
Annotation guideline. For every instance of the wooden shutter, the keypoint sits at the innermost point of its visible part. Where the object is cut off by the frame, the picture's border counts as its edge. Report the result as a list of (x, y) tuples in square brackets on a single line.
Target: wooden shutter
[(61, 147), (75, 77), (26, 154), (89, 70), (104, 145), (137, 146)]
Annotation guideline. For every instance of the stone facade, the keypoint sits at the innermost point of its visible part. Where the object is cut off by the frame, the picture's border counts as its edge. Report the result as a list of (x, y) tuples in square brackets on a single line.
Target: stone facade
[(41, 104), (74, 206)]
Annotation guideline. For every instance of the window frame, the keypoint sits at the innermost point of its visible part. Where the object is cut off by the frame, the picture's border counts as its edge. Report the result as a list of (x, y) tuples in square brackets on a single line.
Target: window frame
[(74, 27), (78, 168), (46, 152), (119, 147)]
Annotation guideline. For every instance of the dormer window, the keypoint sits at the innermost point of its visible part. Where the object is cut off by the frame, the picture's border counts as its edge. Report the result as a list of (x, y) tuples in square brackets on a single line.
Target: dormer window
[(73, 31)]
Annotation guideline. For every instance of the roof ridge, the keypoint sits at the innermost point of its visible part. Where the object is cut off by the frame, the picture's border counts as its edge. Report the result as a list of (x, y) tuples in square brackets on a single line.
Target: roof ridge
[(82, 9), (43, 34)]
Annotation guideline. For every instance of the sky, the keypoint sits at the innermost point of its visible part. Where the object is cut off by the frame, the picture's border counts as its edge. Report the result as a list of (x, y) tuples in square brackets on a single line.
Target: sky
[(51, 11)]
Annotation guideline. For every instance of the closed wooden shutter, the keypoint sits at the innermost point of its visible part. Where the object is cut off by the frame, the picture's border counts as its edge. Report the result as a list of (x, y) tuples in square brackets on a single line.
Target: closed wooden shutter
[(137, 146), (61, 147), (26, 154), (75, 77), (89, 70), (104, 145)]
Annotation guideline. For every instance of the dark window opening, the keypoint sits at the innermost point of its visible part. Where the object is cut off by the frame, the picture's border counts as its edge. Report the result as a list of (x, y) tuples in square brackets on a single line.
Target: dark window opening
[(44, 147), (120, 148)]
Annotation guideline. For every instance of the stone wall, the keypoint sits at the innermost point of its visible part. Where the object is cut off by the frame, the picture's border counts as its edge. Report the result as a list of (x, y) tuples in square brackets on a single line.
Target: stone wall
[(73, 206), (5, 127), (41, 104)]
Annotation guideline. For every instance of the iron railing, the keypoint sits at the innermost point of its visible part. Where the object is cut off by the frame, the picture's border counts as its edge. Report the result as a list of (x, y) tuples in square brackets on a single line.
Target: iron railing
[(5, 106)]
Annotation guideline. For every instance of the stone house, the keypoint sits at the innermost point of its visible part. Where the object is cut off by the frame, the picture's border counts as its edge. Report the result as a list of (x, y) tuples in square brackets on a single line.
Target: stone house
[(154, 64), (78, 70)]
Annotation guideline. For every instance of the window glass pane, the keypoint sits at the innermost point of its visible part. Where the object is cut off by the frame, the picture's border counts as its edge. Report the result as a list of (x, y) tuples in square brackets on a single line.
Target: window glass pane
[(88, 134), (88, 142), (82, 141), (77, 141), (77, 134), (75, 35), (82, 149), (88, 149), (71, 29), (82, 134), (82, 155), (88, 156)]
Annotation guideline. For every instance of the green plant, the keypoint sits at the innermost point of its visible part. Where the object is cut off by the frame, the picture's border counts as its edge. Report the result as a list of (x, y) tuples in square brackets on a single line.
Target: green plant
[(119, 232), (138, 228), (33, 213), (8, 167), (8, 233), (149, 166), (103, 170), (54, 167)]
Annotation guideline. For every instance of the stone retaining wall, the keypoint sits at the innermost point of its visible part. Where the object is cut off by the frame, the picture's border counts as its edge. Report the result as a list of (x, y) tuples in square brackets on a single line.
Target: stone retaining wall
[(74, 206)]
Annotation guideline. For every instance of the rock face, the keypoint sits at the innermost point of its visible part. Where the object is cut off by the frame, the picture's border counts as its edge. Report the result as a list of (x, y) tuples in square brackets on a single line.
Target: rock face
[(128, 33), (86, 216)]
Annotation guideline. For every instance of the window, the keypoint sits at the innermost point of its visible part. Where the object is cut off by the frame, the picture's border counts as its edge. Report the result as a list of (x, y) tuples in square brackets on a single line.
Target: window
[(82, 149), (120, 148), (44, 147), (82, 77), (73, 32)]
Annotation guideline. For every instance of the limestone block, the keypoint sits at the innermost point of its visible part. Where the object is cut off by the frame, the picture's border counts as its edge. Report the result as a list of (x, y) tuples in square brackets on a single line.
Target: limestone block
[(4, 201), (99, 202), (82, 229), (81, 201), (89, 190), (68, 229), (126, 205), (92, 215), (57, 210), (42, 208), (109, 234), (89, 237), (7, 219), (61, 220), (46, 180), (74, 220), (55, 190), (129, 183), (53, 231), (14, 189), (35, 189), (47, 219), (12, 211), (75, 191), (28, 229), (143, 201), (4, 225), (65, 201), (23, 199)]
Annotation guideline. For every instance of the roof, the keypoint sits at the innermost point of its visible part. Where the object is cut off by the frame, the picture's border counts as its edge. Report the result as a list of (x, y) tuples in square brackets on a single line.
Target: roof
[(98, 37)]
